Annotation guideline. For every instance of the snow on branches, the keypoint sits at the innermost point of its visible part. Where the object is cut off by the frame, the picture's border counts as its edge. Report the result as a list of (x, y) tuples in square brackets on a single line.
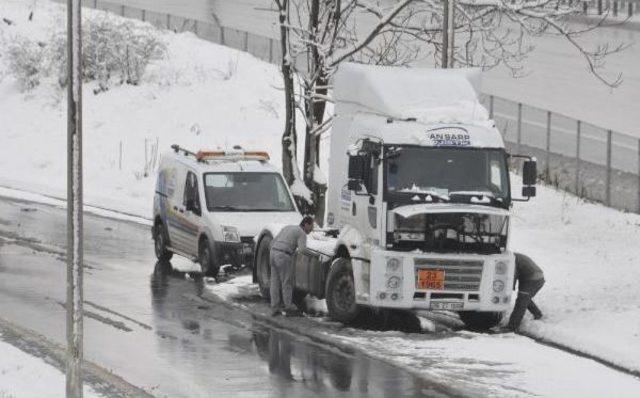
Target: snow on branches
[(317, 35)]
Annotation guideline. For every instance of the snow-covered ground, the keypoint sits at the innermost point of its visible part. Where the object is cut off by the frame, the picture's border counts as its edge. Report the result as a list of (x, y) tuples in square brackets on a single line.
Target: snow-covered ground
[(208, 96), (200, 96), (25, 376)]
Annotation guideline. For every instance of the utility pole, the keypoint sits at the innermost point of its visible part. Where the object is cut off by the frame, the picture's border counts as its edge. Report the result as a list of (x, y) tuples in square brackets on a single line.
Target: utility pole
[(448, 32), (74, 200)]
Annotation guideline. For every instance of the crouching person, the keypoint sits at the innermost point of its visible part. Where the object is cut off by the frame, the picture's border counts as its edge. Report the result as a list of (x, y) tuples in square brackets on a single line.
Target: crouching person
[(283, 247), (530, 280)]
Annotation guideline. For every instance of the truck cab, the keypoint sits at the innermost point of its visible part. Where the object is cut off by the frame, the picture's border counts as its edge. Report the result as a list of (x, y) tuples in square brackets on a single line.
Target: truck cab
[(418, 200), (209, 205)]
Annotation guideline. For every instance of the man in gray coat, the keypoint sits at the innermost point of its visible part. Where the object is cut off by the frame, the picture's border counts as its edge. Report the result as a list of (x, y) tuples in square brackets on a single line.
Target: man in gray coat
[(283, 247), (530, 280)]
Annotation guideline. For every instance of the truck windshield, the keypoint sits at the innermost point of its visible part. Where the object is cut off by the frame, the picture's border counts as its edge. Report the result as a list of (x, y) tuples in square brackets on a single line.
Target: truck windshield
[(246, 192), (448, 175)]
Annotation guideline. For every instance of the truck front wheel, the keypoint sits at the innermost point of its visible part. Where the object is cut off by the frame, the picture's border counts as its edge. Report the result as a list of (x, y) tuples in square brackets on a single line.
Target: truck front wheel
[(263, 266), (480, 321), (341, 293)]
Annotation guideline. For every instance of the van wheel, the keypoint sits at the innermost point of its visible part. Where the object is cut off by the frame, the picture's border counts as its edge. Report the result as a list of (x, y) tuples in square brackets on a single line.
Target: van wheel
[(207, 263), (160, 241), (340, 292), (263, 266), (480, 321)]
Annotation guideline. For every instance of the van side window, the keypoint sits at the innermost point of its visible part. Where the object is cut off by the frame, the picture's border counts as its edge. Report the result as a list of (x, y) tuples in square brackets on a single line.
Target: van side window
[(191, 192)]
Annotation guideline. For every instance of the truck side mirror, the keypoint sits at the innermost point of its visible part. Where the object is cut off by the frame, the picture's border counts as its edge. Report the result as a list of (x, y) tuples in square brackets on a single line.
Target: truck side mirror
[(529, 174), (354, 185), (529, 191), (356, 167)]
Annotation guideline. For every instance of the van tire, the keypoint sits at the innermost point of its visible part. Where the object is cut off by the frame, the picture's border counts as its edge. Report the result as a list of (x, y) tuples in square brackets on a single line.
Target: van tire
[(206, 259), (263, 265), (160, 243), (480, 321), (340, 292)]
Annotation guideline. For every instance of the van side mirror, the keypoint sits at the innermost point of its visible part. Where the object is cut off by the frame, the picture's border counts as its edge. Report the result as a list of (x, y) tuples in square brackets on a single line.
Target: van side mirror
[(530, 173)]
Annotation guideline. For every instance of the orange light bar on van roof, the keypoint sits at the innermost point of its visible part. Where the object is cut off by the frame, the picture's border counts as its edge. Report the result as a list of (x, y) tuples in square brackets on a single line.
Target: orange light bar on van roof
[(232, 155)]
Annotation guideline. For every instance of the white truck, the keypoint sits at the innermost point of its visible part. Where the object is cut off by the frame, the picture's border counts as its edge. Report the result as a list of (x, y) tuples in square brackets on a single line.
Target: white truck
[(209, 205), (418, 204)]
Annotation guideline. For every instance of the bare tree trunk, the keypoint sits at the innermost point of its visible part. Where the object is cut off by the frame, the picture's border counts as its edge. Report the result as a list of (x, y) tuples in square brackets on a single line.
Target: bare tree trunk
[(289, 137), (314, 110)]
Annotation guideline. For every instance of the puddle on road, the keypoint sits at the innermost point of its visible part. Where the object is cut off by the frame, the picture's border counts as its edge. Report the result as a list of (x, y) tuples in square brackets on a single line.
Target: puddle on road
[(282, 360)]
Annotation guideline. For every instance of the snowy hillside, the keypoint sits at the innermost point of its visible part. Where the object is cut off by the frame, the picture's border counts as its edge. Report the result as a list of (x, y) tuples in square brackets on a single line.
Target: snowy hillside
[(207, 96), (201, 96)]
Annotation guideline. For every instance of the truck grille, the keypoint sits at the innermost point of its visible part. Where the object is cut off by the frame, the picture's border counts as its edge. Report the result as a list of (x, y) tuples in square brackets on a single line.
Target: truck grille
[(458, 274)]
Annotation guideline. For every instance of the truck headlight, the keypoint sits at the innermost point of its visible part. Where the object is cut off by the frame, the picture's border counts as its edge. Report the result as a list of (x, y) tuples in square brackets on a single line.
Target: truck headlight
[(393, 282), (393, 264), (501, 268), (498, 286), (230, 234)]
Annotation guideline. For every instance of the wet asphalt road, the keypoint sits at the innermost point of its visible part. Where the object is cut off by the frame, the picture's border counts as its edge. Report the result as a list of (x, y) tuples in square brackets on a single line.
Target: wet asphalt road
[(150, 325)]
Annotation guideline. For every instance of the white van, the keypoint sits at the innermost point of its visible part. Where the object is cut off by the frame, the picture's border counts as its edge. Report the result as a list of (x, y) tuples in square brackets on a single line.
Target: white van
[(209, 205)]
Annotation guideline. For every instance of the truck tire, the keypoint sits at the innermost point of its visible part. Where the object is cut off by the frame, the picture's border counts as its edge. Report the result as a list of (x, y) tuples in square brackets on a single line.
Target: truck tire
[(263, 266), (480, 321), (160, 241), (340, 292), (206, 259)]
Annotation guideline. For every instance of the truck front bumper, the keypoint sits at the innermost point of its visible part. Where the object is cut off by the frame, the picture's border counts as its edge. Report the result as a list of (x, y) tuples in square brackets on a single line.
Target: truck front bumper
[(459, 282)]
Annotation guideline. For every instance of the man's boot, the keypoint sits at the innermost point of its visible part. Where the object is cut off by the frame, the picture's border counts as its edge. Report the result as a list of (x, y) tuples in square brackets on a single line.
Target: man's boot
[(535, 311)]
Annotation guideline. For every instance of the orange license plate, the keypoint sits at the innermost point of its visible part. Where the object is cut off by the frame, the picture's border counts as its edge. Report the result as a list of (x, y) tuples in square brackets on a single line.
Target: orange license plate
[(430, 279)]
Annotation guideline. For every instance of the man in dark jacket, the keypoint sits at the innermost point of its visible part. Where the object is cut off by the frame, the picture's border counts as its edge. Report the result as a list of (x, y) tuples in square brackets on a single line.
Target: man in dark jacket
[(530, 280), (283, 247)]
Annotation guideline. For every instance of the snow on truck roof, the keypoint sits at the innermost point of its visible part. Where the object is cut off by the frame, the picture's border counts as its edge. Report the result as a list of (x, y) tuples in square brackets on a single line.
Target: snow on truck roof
[(410, 92), (428, 107)]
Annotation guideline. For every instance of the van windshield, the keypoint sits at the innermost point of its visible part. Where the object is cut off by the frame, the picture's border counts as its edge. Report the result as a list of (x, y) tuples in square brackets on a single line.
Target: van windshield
[(246, 192)]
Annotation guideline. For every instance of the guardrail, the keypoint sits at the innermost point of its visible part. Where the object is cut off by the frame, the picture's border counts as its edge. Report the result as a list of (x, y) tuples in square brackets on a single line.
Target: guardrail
[(589, 161), (614, 8)]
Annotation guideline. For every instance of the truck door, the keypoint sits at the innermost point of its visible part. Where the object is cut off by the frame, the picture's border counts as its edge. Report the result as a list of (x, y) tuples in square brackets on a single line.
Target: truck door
[(364, 204), (192, 213)]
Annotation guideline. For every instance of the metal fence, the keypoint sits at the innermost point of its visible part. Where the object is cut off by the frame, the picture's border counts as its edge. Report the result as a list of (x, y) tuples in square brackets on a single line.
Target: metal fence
[(589, 161), (264, 48), (615, 8)]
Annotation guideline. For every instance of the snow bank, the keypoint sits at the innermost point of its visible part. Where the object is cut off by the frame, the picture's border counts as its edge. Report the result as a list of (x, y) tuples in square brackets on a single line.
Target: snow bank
[(26, 376), (589, 254)]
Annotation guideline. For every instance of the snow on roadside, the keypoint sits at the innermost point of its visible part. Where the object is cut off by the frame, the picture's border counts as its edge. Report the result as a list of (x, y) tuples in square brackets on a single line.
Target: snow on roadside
[(234, 288), (589, 254), (26, 376), (497, 365)]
